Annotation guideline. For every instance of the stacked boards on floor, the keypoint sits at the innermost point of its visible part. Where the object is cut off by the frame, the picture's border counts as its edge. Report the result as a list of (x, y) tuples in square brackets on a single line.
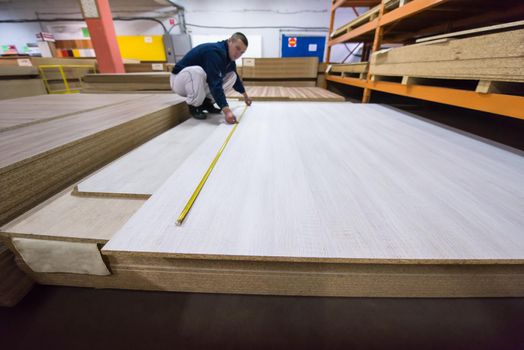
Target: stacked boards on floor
[(329, 199), (47, 145), (159, 83), (17, 81), (285, 71)]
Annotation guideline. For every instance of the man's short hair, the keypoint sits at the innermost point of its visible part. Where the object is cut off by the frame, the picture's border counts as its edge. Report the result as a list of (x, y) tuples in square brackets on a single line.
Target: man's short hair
[(240, 36)]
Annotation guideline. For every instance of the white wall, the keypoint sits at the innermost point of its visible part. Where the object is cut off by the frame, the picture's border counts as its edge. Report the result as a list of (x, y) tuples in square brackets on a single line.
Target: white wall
[(267, 19)]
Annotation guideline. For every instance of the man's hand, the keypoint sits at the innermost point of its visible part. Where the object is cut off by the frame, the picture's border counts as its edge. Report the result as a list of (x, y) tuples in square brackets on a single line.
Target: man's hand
[(230, 117), (247, 100)]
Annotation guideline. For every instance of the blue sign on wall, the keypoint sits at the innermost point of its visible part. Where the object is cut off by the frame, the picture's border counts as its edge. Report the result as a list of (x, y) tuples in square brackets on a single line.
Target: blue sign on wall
[(303, 46)]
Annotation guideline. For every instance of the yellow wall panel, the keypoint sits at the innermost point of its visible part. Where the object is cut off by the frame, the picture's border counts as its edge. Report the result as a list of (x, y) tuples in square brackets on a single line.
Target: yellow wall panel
[(143, 48)]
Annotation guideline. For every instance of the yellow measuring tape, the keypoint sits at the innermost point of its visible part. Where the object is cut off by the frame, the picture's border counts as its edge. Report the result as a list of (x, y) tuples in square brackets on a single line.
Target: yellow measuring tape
[(197, 190)]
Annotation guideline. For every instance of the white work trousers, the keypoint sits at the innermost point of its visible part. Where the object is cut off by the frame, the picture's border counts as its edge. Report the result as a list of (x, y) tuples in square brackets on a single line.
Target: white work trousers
[(191, 83)]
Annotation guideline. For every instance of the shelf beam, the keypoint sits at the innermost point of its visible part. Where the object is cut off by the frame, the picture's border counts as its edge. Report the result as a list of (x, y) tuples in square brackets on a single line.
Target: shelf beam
[(355, 3), (506, 105), (409, 9), (348, 81)]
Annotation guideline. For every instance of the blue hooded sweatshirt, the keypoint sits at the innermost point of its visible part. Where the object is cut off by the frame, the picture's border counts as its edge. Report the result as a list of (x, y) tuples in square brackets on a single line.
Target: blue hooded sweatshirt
[(214, 59)]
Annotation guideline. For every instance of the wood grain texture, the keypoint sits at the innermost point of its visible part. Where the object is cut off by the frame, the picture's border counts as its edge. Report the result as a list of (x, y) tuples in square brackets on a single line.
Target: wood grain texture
[(71, 218), (42, 159), (25, 111), (339, 182), (280, 68), (127, 82), (141, 172), (32, 140)]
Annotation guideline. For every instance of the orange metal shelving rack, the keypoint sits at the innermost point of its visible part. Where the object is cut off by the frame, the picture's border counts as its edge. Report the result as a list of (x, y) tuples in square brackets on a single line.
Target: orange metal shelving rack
[(506, 105)]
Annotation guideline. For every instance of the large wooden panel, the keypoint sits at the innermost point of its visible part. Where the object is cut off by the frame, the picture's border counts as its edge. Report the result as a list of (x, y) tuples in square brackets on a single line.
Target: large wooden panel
[(276, 93), (364, 183), (141, 172), (72, 218)]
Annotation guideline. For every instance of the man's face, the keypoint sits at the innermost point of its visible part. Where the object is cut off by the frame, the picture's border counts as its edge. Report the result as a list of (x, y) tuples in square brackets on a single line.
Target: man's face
[(236, 48)]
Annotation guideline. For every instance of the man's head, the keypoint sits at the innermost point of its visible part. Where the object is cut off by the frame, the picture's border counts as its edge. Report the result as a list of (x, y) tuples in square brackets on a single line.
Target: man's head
[(237, 45)]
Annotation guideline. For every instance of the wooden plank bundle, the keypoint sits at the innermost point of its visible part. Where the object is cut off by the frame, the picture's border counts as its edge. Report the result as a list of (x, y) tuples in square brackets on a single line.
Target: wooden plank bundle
[(21, 112), (493, 57), (157, 81), (40, 159), (296, 71)]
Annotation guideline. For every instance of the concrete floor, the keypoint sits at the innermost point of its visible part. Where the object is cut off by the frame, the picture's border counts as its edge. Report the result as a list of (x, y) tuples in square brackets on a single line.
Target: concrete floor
[(80, 318)]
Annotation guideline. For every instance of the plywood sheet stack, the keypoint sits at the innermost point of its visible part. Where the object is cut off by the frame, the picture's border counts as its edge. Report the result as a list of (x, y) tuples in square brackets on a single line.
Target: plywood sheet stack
[(44, 151), (330, 203), (99, 206), (19, 81), (323, 199), (293, 72), (154, 81), (489, 57), (145, 67)]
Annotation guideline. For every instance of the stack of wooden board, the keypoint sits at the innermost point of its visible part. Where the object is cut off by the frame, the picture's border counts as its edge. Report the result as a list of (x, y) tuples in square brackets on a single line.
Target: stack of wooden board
[(157, 81), (280, 93), (47, 146), (68, 221), (19, 81), (296, 71), (146, 67), (324, 199), (331, 199), (141, 172), (494, 57)]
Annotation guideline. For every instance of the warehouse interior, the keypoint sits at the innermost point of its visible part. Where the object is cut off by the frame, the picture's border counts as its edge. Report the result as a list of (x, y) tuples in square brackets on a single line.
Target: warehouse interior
[(360, 185)]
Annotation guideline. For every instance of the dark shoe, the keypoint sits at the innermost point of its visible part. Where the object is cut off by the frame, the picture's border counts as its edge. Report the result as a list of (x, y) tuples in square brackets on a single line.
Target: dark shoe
[(209, 106), (197, 112)]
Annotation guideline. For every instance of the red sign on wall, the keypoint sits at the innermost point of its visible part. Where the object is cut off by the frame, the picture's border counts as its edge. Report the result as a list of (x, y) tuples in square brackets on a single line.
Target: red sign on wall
[(292, 42)]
